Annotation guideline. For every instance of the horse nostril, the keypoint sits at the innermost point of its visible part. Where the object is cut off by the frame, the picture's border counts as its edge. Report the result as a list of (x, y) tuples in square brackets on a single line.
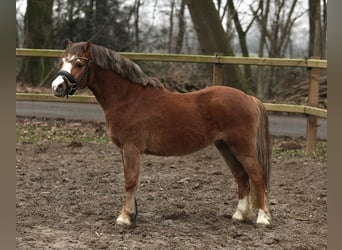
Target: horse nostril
[(59, 90)]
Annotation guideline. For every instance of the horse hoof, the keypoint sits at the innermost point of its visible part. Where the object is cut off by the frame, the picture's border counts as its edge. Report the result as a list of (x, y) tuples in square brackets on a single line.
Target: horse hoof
[(128, 220), (125, 222), (239, 216), (263, 218)]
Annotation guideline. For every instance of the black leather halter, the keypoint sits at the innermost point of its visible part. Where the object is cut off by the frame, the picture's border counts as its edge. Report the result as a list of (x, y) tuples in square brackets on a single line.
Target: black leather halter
[(70, 90)]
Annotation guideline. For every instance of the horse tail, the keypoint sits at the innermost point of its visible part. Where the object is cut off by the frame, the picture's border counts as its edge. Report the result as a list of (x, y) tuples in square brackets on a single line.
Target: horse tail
[(263, 142)]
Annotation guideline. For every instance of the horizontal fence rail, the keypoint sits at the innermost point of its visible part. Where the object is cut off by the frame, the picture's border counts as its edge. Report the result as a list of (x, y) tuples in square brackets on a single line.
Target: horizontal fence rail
[(217, 60), (284, 62), (91, 99)]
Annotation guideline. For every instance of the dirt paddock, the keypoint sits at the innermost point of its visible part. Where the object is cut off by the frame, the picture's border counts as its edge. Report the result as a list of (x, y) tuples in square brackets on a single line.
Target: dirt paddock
[(69, 194)]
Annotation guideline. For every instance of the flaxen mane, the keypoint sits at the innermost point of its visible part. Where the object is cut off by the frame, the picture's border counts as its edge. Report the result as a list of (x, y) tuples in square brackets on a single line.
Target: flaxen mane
[(109, 59)]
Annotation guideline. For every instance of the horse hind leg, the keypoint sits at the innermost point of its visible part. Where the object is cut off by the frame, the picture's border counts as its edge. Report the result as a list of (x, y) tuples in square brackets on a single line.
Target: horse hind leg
[(245, 203), (258, 192)]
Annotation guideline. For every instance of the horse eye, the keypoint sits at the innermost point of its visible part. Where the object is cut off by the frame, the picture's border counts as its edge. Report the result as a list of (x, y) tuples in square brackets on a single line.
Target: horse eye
[(79, 65)]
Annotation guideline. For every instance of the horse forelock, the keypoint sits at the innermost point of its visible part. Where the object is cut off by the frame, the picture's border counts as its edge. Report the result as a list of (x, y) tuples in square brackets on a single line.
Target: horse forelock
[(108, 59)]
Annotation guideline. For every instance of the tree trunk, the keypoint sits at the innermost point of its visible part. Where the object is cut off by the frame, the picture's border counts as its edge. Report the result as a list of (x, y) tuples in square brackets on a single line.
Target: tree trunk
[(37, 34), (137, 4), (181, 28), (261, 72), (324, 31), (315, 28), (212, 37), (169, 44), (101, 21), (278, 37), (242, 38), (70, 27), (317, 31), (89, 20), (229, 26)]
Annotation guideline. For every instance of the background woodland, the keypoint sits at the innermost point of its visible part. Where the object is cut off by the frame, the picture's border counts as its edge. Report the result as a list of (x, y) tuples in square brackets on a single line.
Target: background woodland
[(264, 28)]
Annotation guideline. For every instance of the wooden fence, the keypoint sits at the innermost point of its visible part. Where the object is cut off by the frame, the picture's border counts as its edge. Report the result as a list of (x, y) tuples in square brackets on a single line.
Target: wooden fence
[(311, 109)]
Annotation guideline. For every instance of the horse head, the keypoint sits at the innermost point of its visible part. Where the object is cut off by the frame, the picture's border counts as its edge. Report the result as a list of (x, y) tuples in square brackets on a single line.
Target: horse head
[(74, 71)]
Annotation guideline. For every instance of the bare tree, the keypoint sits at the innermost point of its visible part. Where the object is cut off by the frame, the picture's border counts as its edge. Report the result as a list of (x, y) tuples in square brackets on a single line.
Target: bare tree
[(37, 34), (169, 44), (242, 34), (144, 42), (317, 44), (264, 8), (229, 24), (213, 38), (276, 20), (19, 26), (181, 28), (324, 30), (137, 4), (281, 27), (90, 16)]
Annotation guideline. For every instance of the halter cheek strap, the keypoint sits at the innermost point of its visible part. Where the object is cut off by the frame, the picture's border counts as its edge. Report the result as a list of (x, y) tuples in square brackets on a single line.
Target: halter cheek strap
[(70, 90)]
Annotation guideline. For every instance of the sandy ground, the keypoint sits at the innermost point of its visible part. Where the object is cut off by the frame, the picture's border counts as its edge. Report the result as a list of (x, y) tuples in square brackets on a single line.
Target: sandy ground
[(69, 195)]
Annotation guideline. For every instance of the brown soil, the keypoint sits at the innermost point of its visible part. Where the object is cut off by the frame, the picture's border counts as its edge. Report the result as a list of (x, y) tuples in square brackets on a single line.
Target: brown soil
[(69, 194)]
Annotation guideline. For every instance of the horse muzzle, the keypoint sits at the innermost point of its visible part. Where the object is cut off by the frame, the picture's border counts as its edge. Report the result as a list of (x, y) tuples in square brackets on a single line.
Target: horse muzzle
[(59, 86)]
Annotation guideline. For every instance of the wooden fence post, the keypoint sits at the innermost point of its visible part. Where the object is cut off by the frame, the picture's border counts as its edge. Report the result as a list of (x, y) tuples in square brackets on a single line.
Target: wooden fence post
[(217, 70), (311, 125)]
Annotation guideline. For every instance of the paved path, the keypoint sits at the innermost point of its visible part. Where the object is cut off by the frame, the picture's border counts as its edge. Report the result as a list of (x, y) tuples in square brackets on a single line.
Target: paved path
[(294, 126)]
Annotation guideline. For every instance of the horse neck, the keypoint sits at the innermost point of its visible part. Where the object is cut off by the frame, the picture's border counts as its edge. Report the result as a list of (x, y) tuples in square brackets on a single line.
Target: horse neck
[(111, 90)]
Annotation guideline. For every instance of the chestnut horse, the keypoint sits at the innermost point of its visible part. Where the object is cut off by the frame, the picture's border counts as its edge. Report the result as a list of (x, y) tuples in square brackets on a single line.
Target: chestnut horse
[(143, 117)]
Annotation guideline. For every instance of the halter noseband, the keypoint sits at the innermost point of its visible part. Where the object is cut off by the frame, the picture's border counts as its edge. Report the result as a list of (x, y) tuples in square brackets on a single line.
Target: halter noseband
[(70, 90)]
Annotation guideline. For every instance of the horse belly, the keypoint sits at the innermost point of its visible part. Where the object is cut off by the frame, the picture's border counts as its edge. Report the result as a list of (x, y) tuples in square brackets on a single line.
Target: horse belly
[(182, 128), (179, 141), (176, 147)]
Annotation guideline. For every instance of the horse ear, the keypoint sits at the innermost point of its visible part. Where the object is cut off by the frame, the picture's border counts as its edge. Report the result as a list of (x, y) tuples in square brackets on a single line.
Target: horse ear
[(86, 47), (69, 43)]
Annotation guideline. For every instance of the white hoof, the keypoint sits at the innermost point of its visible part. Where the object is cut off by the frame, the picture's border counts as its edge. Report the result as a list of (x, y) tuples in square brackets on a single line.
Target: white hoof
[(243, 211), (263, 218), (123, 221), (238, 216)]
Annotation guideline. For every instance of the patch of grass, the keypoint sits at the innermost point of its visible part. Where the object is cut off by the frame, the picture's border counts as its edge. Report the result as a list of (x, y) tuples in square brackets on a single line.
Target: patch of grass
[(60, 131), (321, 153), (286, 147)]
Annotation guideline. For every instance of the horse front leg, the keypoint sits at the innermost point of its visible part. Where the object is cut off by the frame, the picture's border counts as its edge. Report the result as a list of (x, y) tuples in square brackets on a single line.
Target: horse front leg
[(131, 161)]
